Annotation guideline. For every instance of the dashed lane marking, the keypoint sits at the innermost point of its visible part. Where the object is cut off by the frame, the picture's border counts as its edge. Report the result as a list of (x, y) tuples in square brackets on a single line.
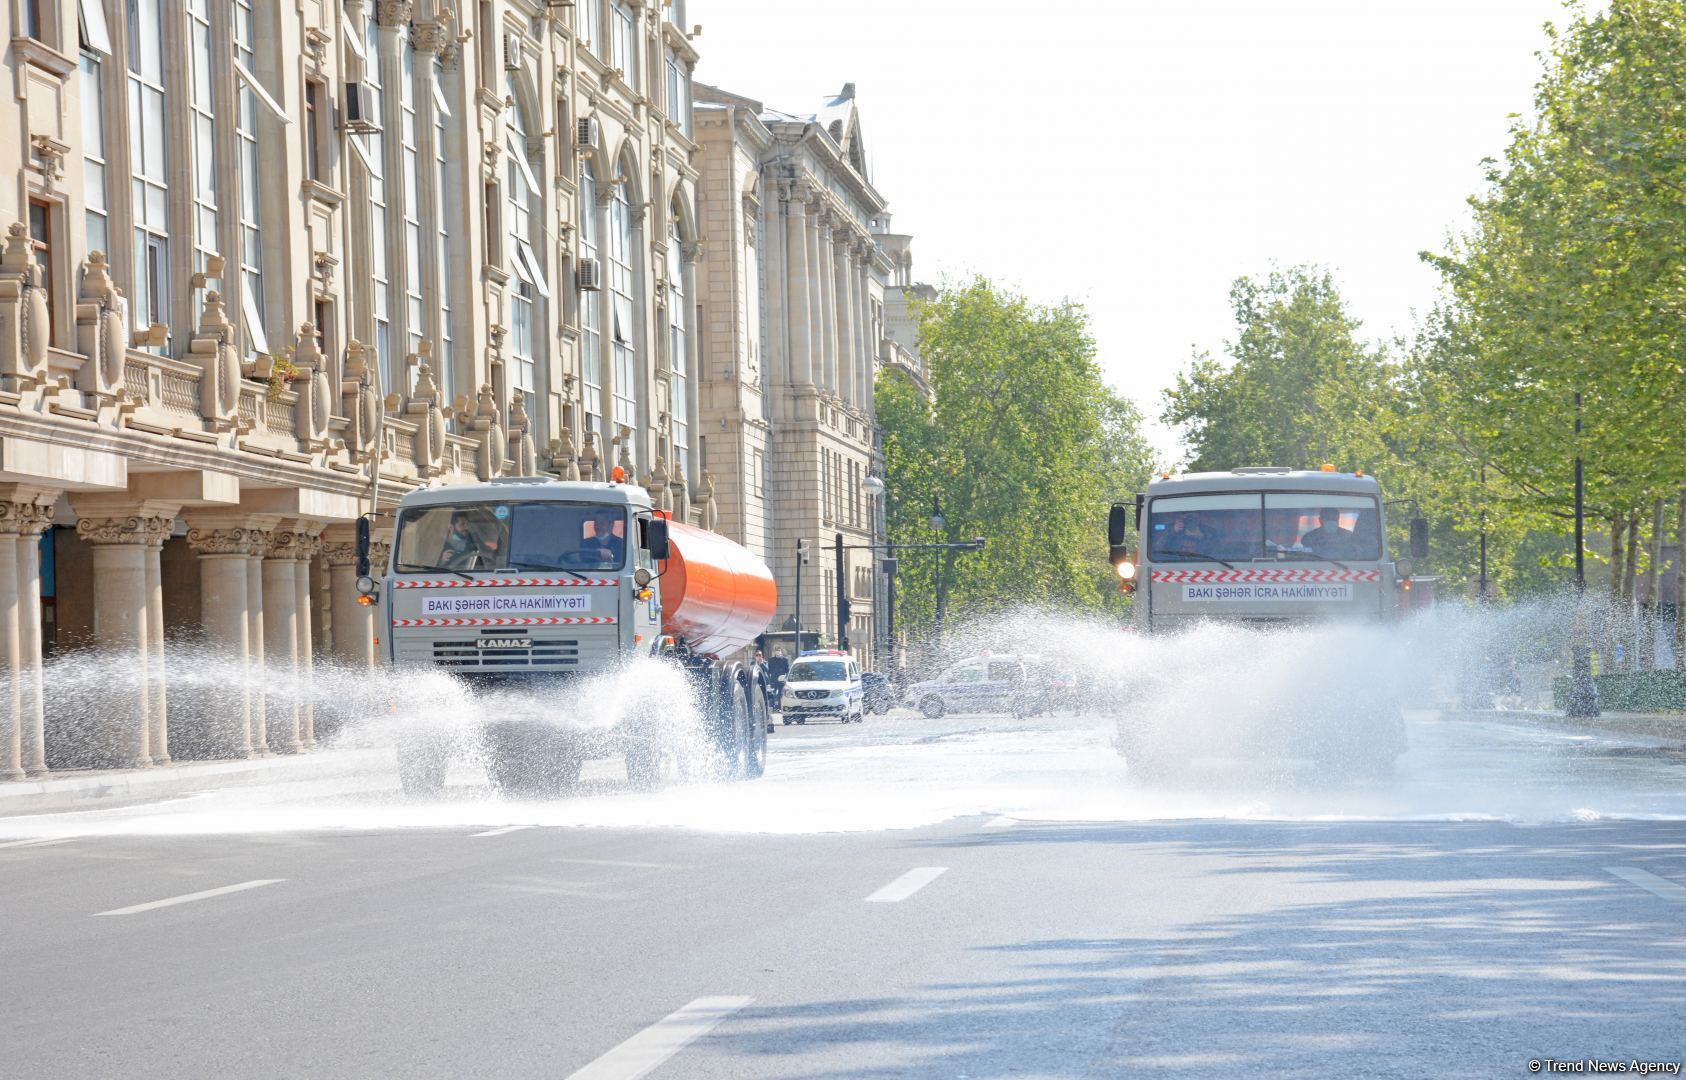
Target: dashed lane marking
[(500, 832), (40, 841), (650, 1048), (906, 885), (1650, 882), (190, 897)]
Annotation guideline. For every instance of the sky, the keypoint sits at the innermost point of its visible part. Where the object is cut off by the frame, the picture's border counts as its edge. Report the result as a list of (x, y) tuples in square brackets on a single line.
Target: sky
[(1138, 157)]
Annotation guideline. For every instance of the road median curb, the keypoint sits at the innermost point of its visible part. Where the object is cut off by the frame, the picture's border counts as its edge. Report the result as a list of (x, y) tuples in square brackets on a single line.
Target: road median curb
[(1653, 725), (88, 789)]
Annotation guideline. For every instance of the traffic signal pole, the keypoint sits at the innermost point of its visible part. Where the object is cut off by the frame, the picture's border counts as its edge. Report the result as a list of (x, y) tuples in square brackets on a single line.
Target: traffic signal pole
[(842, 599)]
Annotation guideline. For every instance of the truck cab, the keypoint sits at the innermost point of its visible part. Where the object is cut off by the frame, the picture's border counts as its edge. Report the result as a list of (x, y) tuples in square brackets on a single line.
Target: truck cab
[(1261, 546)]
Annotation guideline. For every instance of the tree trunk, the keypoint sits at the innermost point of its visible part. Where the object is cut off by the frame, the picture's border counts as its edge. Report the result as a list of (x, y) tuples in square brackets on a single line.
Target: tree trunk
[(1618, 532), (1630, 568), (1648, 640), (1680, 582)]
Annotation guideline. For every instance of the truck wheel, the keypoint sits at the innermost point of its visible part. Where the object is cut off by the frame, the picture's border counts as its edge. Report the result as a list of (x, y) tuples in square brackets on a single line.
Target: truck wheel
[(933, 707), (421, 768), (753, 761), (651, 765)]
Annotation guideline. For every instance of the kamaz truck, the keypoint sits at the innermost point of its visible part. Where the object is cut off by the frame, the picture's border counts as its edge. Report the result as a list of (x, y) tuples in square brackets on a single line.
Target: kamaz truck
[(521, 587), (1272, 550)]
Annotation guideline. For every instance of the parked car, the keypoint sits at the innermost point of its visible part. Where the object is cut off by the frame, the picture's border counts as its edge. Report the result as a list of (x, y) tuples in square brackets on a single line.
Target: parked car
[(823, 683), (985, 683), (880, 695)]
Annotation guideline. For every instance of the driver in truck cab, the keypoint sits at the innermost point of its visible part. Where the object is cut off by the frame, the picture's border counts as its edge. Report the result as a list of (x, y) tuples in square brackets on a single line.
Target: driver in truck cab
[(465, 551), (603, 549), (1329, 538)]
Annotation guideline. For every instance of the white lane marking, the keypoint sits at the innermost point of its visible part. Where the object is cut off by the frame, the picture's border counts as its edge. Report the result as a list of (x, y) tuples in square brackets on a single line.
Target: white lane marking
[(1002, 822), (906, 885), (619, 862), (191, 897), (1650, 882), (500, 832), (647, 1050), (40, 841)]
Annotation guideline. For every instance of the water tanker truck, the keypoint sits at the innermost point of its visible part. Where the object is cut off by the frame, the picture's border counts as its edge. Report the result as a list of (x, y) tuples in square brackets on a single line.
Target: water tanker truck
[(1274, 549), (518, 588)]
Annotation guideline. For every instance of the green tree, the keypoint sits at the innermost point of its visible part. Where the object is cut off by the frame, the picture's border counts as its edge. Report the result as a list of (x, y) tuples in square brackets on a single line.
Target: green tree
[(1021, 443)]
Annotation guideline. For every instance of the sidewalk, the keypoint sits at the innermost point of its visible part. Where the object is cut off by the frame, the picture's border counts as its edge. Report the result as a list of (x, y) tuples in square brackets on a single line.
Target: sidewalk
[(89, 789), (1671, 726)]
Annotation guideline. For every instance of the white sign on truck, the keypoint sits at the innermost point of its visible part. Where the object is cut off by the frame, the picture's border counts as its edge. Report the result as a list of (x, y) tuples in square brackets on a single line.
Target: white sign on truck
[(495, 603)]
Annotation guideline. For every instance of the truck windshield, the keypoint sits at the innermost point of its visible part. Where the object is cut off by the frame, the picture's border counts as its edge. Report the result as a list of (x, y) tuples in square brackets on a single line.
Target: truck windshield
[(1264, 525), (514, 535)]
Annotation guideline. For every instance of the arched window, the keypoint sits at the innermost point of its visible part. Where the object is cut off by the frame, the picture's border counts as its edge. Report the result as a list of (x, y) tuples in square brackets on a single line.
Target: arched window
[(678, 346), (623, 333), (591, 306), (529, 288)]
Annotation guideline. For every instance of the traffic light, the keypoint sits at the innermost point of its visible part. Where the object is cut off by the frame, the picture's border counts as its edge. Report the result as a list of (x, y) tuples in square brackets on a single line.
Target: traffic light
[(802, 551)]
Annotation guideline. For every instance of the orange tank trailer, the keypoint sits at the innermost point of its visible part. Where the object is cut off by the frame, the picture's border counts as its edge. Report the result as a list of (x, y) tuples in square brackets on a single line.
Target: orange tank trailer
[(716, 594)]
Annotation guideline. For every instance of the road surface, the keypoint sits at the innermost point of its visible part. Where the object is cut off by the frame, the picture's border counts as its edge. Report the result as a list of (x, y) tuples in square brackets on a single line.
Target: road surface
[(965, 897)]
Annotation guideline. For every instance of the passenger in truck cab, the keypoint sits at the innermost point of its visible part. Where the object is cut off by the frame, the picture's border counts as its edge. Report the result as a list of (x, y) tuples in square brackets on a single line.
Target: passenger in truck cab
[(603, 550), (1329, 538)]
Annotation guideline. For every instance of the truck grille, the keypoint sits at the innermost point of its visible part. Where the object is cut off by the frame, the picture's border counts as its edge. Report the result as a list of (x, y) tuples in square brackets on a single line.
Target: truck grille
[(509, 652)]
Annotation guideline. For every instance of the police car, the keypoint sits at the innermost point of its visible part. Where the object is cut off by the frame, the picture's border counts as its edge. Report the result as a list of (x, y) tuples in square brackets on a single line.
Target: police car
[(825, 682)]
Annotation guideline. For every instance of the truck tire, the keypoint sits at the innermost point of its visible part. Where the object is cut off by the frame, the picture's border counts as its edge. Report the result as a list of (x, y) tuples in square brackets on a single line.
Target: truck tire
[(932, 706), (752, 762), (421, 768)]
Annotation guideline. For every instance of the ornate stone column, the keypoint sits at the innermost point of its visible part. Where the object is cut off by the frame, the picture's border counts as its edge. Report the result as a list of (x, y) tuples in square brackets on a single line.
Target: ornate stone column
[(32, 512), (866, 347), (280, 634), (11, 728), (157, 711), (353, 639), (257, 661), (305, 547), (800, 365), (828, 303), (816, 293), (225, 549), (847, 361), (122, 543)]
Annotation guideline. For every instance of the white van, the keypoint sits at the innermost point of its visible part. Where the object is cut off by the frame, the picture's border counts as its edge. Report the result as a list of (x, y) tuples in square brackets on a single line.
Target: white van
[(823, 683)]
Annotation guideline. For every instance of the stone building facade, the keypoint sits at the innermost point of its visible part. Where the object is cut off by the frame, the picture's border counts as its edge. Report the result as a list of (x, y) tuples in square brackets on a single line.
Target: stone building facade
[(261, 261), (794, 302)]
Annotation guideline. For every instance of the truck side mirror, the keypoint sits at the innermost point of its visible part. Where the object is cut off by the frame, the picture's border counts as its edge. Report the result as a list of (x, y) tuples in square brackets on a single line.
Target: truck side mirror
[(655, 538), (1419, 539), (363, 544), (1115, 526), (1141, 501)]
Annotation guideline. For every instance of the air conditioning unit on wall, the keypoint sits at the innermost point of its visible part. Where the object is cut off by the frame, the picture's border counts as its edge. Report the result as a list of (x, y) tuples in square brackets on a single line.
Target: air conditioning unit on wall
[(512, 55), (590, 274), (357, 110), (588, 136)]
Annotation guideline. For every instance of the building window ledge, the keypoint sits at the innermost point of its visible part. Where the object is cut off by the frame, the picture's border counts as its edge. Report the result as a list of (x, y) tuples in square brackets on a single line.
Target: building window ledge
[(45, 56), (322, 193)]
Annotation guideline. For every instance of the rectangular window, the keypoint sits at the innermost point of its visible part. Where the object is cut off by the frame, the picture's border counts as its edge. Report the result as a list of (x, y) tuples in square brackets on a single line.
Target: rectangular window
[(588, 24), (322, 312), (202, 122), (591, 307), (677, 347), (410, 151), (678, 93), (96, 34), (41, 245), (247, 162), (623, 41), (148, 163), (380, 272), (442, 372), (93, 155), (494, 228), (33, 25), (312, 130)]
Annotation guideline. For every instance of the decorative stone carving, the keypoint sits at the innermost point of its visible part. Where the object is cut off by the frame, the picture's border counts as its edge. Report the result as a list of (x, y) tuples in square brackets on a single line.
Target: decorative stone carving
[(588, 456), (212, 348), (24, 318), (341, 554), (393, 12), (432, 37), (228, 541), (25, 518), (51, 153), (132, 529), (297, 544), (710, 508), (623, 439)]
